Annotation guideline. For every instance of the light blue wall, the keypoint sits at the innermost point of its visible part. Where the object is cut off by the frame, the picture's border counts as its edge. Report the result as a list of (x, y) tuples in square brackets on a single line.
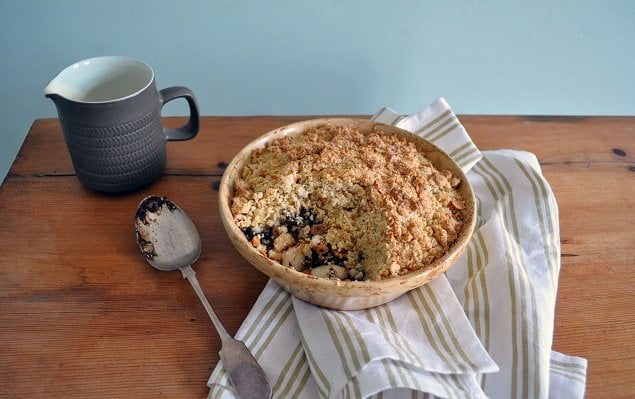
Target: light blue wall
[(331, 56)]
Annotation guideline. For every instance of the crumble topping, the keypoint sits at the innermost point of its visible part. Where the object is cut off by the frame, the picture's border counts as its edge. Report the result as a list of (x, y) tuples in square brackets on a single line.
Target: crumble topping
[(344, 204)]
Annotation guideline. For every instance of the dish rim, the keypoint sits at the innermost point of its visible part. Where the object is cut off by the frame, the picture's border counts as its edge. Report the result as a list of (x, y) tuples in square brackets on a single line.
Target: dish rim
[(276, 269)]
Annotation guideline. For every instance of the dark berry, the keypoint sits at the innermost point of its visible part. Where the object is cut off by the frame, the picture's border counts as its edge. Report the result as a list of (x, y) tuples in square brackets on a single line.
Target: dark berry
[(266, 238), (248, 232)]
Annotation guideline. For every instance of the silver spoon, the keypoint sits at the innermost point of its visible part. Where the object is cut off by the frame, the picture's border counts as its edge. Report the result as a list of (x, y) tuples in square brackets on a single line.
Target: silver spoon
[(169, 241)]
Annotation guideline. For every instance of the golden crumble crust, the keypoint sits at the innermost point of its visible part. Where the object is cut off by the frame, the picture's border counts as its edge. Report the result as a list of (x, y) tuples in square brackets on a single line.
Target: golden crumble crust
[(371, 204)]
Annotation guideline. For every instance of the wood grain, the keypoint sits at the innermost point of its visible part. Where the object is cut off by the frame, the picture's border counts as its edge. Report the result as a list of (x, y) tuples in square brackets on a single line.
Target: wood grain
[(82, 315)]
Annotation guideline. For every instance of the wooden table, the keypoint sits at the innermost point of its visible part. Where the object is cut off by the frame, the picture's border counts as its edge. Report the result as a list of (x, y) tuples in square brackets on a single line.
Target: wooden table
[(83, 315)]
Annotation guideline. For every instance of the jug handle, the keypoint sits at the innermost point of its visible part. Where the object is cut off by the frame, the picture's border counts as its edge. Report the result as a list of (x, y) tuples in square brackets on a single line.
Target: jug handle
[(190, 129)]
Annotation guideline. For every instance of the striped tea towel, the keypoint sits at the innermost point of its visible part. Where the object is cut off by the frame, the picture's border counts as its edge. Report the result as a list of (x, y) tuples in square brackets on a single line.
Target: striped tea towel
[(493, 307)]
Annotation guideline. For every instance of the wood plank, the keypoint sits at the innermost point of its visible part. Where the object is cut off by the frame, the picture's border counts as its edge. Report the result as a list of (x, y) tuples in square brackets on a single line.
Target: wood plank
[(572, 140), (596, 291)]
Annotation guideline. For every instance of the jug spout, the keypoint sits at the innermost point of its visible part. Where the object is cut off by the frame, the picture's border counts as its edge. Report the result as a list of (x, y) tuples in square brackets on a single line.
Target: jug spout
[(56, 91), (51, 91), (53, 96)]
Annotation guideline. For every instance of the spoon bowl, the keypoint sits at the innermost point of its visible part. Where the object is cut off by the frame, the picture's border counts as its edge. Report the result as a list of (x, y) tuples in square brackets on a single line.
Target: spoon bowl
[(169, 241), (167, 237)]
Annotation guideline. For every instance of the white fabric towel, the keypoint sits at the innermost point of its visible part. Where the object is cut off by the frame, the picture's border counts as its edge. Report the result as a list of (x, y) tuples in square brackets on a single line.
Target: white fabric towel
[(484, 329)]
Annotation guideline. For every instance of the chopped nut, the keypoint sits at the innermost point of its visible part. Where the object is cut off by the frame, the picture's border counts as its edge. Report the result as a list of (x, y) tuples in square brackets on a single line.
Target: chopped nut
[(440, 235), (240, 205), (396, 194), (457, 204), (319, 229)]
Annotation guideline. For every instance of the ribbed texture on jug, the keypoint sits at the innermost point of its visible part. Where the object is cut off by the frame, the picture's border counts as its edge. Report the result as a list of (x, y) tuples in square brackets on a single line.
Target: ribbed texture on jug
[(117, 158)]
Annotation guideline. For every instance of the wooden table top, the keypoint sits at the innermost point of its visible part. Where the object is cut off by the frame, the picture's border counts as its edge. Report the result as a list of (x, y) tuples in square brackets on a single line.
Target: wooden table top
[(83, 315)]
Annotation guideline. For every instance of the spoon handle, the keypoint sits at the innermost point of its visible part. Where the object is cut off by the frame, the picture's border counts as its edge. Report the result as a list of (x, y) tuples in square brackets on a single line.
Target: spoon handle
[(248, 378), (190, 275)]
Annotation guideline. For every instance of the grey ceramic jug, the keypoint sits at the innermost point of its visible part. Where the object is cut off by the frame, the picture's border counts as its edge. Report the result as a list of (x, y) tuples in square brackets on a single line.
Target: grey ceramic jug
[(110, 112)]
